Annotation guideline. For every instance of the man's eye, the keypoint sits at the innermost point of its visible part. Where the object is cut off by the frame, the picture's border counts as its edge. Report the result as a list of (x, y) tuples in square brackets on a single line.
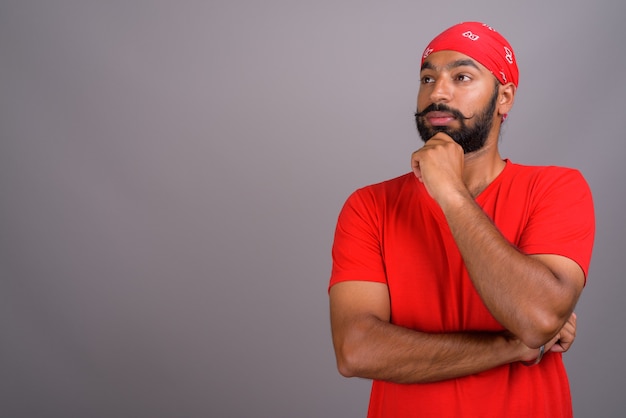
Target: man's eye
[(427, 79), (463, 77)]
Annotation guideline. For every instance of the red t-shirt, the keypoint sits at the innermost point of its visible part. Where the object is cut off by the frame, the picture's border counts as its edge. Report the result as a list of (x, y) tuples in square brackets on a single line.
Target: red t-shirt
[(395, 233)]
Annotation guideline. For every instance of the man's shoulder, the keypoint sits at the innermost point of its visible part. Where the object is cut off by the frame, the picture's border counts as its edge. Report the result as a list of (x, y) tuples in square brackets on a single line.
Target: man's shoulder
[(544, 172), (392, 184), (382, 193), (528, 168), (545, 180)]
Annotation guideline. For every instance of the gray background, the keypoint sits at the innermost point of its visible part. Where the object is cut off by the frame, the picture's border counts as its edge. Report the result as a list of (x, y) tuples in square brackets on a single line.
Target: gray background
[(171, 173)]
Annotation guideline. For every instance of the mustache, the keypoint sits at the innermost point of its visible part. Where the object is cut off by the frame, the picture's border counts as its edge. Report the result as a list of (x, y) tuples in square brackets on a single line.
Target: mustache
[(440, 107)]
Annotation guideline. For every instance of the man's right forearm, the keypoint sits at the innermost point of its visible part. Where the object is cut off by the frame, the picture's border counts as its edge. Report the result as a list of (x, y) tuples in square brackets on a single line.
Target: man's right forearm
[(375, 349)]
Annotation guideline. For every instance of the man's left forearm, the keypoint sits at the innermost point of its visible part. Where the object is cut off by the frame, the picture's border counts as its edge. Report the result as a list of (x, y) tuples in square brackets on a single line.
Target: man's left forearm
[(522, 292)]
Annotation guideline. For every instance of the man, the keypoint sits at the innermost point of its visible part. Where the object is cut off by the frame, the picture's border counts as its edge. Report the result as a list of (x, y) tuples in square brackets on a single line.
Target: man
[(453, 286)]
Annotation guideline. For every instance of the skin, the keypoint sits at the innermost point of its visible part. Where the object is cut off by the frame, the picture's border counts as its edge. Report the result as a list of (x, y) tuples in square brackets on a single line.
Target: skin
[(532, 296)]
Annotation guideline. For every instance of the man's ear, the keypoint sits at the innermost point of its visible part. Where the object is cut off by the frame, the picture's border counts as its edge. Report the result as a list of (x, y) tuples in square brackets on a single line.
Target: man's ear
[(506, 97)]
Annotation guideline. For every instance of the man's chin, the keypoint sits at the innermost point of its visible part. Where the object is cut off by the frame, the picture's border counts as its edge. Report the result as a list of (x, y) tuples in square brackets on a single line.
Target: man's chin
[(437, 129)]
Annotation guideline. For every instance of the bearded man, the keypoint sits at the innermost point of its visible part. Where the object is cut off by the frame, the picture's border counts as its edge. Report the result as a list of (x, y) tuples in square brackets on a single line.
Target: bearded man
[(453, 286)]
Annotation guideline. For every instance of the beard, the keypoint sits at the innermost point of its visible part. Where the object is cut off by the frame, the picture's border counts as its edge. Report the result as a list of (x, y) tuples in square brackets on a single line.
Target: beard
[(470, 138)]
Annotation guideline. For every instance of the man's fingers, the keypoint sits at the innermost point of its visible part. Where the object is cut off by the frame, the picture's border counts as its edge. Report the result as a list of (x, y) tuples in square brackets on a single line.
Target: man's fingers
[(566, 336)]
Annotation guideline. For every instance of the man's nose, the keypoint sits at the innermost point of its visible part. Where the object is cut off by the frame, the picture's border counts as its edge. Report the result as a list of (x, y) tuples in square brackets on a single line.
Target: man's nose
[(442, 91)]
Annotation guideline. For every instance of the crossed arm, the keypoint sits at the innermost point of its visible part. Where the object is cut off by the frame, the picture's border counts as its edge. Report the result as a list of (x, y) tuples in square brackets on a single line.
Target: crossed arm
[(367, 345), (533, 297)]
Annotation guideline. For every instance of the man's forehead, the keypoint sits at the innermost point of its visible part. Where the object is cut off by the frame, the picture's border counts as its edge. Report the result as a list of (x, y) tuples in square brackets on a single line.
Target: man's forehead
[(446, 60)]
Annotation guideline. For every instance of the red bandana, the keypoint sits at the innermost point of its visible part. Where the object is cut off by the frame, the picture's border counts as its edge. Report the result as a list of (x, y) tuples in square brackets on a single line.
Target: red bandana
[(482, 43)]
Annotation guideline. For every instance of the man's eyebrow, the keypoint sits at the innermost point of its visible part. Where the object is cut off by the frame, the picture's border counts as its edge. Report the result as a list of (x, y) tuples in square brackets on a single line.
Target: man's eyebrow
[(454, 64)]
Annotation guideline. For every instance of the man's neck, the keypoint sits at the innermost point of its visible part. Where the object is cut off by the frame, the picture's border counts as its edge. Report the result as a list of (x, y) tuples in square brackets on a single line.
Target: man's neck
[(481, 168)]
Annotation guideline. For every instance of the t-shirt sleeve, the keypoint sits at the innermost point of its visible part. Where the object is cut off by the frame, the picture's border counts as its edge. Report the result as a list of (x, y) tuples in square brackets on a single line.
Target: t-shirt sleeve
[(562, 221), (356, 251)]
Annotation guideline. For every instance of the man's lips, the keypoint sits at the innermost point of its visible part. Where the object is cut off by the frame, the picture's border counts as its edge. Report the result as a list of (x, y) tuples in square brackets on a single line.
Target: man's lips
[(439, 118)]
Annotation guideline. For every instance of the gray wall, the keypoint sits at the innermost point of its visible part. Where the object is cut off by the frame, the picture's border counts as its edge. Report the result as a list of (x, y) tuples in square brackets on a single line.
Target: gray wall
[(171, 173)]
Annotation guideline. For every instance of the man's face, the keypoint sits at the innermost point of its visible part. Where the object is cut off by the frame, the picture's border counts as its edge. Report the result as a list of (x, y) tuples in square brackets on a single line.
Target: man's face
[(457, 96)]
